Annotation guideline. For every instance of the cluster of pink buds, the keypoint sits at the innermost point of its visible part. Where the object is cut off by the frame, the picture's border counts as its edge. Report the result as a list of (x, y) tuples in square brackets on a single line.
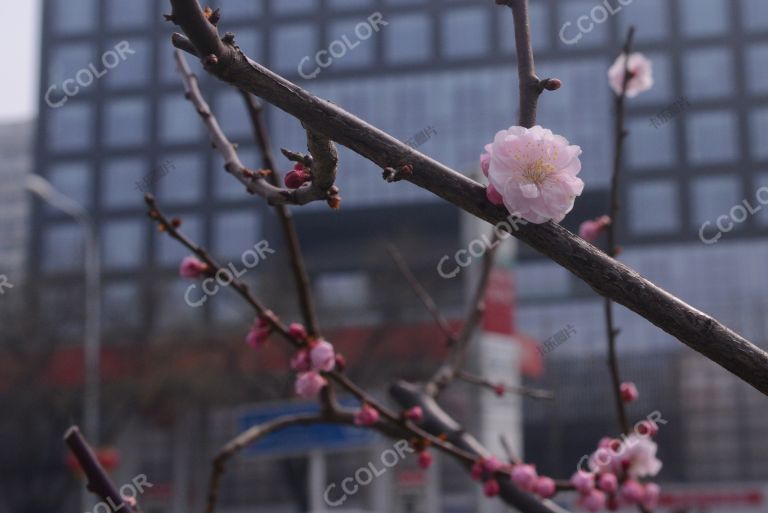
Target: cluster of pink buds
[(524, 476), (298, 176), (316, 356), (600, 491), (591, 230), (192, 268)]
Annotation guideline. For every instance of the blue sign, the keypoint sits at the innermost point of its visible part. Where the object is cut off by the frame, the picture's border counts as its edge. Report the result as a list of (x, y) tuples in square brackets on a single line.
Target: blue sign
[(300, 439)]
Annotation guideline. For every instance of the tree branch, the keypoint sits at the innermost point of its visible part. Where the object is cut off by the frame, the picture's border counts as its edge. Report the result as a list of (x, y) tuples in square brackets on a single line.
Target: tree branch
[(605, 275), (534, 393)]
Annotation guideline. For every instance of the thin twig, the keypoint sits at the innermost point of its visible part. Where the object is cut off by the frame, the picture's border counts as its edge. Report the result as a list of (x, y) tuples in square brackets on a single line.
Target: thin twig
[(303, 286), (613, 212), (423, 295), (534, 393)]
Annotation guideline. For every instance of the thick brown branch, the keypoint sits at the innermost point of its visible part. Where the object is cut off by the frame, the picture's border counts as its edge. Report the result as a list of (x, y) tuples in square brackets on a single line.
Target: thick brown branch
[(604, 274)]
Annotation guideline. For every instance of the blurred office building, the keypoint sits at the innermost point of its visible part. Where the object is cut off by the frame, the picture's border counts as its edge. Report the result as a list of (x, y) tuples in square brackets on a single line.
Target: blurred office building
[(440, 76)]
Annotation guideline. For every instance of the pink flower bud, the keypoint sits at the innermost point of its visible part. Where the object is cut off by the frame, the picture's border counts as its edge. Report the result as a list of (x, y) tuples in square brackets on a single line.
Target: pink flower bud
[(477, 470), (491, 464), (485, 163), (593, 501), (491, 488), (425, 459), (366, 416), (192, 268), (524, 476), (628, 392), (341, 362), (493, 195), (632, 491), (646, 428), (605, 442), (323, 356), (257, 337), (300, 361), (583, 481), (297, 331), (414, 414), (545, 487), (296, 177), (309, 384), (651, 495), (608, 483), (499, 389)]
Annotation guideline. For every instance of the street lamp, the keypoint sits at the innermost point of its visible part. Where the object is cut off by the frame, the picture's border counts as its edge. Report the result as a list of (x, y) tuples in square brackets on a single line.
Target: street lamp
[(92, 348)]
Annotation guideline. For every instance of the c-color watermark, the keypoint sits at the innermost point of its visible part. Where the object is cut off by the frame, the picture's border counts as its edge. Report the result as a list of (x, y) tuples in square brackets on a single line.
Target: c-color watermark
[(4, 284), (226, 275), (339, 47), (737, 215), (364, 475), (129, 492), (586, 23), (86, 76)]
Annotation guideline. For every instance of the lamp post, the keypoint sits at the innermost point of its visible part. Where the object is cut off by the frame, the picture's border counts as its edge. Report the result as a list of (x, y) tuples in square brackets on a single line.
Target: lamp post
[(92, 347)]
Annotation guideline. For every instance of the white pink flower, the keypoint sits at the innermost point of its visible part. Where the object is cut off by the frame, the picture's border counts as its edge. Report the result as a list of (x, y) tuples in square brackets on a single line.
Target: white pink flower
[(323, 356), (535, 173), (640, 74), (366, 416), (309, 384), (192, 268), (634, 456)]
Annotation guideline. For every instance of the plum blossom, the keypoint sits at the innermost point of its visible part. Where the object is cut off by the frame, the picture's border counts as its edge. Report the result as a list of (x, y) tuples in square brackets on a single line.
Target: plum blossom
[(309, 384), (640, 71), (366, 416), (300, 361), (635, 456), (425, 459), (491, 488), (584, 482), (632, 491), (297, 331), (259, 333), (415, 414), (192, 268), (534, 171), (608, 483), (323, 356)]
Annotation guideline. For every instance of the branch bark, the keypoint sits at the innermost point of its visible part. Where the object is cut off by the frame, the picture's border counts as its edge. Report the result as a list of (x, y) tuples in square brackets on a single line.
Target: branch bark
[(606, 276)]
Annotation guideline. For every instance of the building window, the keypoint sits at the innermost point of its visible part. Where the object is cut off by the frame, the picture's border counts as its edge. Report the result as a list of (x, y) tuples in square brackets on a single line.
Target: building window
[(185, 185), (73, 16), (712, 137), (759, 127), (650, 147), (232, 115), (651, 17), (292, 45), (757, 69), (121, 183), (70, 128), (72, 179), (137, 14), (713, 197), (126, 123), (179, 122), (360, 52), (708, 73), (234, 233), (63, 248), (705, 17), (408, 38), (281, 7), (755, 13), (134, 67), (66, 61), (123, 243), (653, 207), (466, 32)]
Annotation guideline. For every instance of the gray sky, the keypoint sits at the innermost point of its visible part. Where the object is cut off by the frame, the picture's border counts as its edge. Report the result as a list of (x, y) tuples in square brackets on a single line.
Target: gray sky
[(20, 36)]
